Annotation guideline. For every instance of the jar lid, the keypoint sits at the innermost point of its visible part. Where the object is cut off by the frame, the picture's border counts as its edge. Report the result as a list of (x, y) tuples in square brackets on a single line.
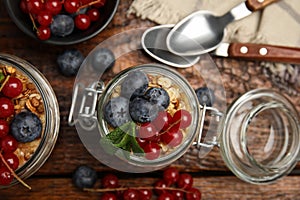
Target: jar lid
[(260, 137), (93, 90)]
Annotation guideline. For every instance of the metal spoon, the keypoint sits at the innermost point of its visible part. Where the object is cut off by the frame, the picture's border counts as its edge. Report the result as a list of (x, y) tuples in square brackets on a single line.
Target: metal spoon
[(154, 43), (204, 29)]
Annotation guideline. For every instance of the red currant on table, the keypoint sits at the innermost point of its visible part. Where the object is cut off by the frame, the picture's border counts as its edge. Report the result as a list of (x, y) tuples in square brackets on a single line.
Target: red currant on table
[(108, 196), (82, 21), (6, 107), (185, 181), (145, 194), (193, 194), (159, 187), (166, 196), (178, 195), (110, 181), (4, 128), (8, 144), (5, 176), (13, 87), (130, 194), (152, 150), (43, 33), (171, 175)]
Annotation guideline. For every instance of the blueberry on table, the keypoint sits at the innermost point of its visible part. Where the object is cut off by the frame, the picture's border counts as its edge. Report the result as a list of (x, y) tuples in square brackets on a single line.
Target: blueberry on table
[(70, 61), (26, 127), (84, 177), (135, 84), (205, 96), (116, 111), (62, 25), (158, 96), (142, 110), (102, 59)]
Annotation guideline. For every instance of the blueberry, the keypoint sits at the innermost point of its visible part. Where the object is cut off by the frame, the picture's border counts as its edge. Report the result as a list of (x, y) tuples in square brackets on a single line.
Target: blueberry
[(62, 25), (69, 62), (26, 127), (102, 59), (135, 84), (84, 177), (116, 111), (158, 96), (141, 110), (205, 96)]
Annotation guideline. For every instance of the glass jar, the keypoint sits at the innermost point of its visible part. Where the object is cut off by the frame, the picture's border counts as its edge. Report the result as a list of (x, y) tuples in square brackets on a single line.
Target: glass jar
[(50, 121), (258, 135)]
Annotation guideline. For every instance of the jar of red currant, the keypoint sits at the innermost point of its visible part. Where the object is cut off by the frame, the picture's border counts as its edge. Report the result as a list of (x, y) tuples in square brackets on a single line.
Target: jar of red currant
[(148, 115), (29, 119)]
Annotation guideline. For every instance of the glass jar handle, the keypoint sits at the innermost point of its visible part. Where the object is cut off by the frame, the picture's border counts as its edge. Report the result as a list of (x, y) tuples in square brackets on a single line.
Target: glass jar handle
[(87, 111), (206, 144)]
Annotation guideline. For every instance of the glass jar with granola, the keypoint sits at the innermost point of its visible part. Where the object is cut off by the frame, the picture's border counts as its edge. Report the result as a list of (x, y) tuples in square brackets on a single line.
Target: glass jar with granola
[(29, 119)]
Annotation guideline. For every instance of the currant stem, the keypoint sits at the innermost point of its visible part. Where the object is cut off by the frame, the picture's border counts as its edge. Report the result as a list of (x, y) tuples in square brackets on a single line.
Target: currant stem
[(33, 22), (173, 124), (13, 173), (88, 4), (135, 188)]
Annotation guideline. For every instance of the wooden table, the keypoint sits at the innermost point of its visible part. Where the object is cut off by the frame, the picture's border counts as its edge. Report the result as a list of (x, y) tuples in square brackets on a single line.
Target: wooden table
[(211, 176)]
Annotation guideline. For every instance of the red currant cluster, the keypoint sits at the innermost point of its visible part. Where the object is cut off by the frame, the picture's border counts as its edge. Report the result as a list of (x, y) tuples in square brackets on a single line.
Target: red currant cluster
[(10, 88), (42, 13), (173, 186), (164, 130)]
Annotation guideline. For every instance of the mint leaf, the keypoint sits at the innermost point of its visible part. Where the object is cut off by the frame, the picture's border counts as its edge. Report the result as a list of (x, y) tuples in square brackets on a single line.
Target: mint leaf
[(2, 77), (124, 137)]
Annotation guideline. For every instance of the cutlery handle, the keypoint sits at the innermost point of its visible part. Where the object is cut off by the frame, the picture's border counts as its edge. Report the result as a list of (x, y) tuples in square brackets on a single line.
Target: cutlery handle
[(255, 5), (264, 52)]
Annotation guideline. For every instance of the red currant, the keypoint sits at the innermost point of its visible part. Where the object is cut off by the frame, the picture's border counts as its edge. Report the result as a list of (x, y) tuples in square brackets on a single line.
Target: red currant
[(93, 14), (35, 6), (182, 118), (12, 160), (6, 107), (130, 194), (13, 87), (99, 4), (166, 196), (193, 194), (5, 176), (82, 21), (152, 150), (159, 187), (172, 138), (4, 128), (145, 194), (141, 141), (185, 181), (171, 175), (71, 6), (43, 33), (178, 195), (110, 181), (23, 6), (147, 130), (44, 18), (108, 196), (53, 6), (162, 121), (9, 144)]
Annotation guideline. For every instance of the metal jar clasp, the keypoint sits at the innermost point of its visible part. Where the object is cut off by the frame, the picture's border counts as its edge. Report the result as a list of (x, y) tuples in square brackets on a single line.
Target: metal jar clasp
[(87, 102)]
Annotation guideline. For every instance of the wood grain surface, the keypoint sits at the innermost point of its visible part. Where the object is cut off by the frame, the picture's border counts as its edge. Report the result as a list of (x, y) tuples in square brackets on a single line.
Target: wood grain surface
[(211, 176)]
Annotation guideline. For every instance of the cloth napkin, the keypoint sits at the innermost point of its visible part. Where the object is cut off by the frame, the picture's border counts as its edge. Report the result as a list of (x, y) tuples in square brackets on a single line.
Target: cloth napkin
[(277, 24)]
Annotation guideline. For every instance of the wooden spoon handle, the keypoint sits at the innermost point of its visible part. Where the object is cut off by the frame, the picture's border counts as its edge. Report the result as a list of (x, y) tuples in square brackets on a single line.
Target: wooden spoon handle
[(264, 52), (255, 5)]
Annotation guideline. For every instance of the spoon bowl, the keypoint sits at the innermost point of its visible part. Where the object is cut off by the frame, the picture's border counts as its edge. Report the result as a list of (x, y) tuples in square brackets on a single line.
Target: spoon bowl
[(153, 42), (203, 31)]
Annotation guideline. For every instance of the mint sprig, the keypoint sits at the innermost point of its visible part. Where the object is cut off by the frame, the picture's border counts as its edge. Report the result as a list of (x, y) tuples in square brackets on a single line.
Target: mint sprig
[(123, 137)]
